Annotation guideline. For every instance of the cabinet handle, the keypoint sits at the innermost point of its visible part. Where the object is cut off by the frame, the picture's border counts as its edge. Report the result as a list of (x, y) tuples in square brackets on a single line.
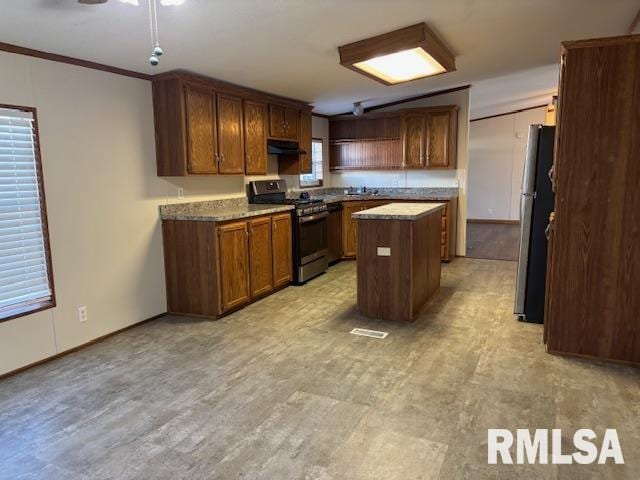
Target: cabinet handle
[(275, 226), (222, 158)]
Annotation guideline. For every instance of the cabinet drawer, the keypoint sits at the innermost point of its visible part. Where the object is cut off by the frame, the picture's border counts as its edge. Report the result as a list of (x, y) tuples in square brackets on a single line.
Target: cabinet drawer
[(443, 238)]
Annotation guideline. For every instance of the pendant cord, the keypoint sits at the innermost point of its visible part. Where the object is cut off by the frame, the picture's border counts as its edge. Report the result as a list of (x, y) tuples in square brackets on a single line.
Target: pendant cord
[(153, 23)]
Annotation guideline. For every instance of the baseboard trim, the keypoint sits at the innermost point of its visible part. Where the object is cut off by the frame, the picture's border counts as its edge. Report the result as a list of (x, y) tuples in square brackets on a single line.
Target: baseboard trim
[(79, 347), (486, 220)]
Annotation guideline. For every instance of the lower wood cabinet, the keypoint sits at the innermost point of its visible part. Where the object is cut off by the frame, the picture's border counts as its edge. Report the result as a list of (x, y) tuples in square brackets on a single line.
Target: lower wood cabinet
[(260, 256), (234, 264), (282, 249), (350, 229), (212, 268)]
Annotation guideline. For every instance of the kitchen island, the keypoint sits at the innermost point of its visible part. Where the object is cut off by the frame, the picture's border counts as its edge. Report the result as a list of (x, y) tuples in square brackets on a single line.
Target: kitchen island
[(398, 258)]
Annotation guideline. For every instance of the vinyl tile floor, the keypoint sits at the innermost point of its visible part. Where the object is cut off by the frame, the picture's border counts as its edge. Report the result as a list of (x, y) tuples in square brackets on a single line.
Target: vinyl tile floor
[(282, 390)]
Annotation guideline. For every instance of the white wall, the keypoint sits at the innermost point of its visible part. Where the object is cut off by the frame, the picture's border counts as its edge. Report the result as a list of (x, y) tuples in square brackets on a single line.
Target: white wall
[(426, 178), (497, 149), (518, 90), (98, 157)]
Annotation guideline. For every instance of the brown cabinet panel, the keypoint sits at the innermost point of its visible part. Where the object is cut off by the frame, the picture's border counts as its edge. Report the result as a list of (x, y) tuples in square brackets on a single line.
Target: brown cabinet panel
[(440, 147), (413, 139), (291, 123), (594, 256), (260, 256), (282, 249), (276, 121), (234, 265), (284, 122), (306, 160), (230, 138), (201, 138), (255, 138), (350, 229)]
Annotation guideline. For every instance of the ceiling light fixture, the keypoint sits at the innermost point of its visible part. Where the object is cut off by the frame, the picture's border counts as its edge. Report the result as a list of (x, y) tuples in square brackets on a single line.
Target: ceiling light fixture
[(399, 56)]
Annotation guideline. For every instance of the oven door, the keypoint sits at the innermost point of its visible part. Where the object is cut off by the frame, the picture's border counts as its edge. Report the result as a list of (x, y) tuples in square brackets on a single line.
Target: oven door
[(312, 237)]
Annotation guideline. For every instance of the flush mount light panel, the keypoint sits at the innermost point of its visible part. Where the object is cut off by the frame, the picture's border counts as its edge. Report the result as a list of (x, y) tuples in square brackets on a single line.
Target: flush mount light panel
[(399, 56)]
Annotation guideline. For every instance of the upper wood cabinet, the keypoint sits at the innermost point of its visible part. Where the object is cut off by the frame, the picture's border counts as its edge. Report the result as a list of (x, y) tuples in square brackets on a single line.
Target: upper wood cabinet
[(441, 143), (297, 164), (260, 256), (306, 160), (255, 137), (234, 265), (283, 122), (202, 125), (230, 137), (282, 249), (414, 138), (201, 136)]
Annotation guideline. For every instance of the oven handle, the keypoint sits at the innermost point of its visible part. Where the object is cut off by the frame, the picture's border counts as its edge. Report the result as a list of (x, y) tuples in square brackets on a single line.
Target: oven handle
[(313, 218)]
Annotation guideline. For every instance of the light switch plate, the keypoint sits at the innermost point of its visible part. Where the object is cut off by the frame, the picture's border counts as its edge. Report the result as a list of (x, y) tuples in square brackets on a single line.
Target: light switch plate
[(384, 251)]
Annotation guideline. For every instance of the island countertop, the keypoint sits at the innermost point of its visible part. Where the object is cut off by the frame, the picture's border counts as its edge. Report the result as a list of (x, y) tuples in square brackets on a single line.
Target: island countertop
[(399, 211)]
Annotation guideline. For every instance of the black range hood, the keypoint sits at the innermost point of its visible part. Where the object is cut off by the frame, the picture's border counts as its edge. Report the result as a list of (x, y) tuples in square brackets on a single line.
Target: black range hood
[(283, 147)]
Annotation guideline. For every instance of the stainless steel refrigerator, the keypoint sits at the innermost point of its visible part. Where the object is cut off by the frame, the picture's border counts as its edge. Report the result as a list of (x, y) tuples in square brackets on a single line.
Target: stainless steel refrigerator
[(536, 203)]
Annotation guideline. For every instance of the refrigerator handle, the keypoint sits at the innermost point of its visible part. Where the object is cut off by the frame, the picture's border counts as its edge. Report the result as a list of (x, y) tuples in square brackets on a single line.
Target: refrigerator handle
[(547, 231)]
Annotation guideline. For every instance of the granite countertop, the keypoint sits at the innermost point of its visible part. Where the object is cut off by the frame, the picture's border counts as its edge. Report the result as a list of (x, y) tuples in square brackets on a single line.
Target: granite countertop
[(335, 195), (399, 211), (218, 210)]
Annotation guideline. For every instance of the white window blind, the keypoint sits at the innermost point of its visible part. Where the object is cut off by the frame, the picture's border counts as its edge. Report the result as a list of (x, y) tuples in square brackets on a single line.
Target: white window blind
[(314, 179), (23, 260)]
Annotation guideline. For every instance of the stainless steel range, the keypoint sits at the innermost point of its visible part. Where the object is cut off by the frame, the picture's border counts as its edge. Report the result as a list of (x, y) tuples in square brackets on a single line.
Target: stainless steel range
[(309, 220)]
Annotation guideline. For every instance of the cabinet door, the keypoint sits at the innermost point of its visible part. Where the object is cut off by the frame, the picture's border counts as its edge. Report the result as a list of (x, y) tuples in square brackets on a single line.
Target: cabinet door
[(282, 250), (234, 264), (230, 141), (255, 138), (201, 138), (306, 165), (276, 121), (413, 139), (291, 123), (260, 256), (350, 229), (439, 140)]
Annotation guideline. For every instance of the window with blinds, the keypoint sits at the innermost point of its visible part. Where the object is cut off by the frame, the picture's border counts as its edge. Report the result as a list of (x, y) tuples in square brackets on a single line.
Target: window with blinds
[(25, 283), (314, 179)]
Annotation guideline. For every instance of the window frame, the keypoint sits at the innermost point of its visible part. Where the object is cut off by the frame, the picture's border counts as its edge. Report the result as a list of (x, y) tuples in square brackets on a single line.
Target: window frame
[(11, 312), (319, 182)]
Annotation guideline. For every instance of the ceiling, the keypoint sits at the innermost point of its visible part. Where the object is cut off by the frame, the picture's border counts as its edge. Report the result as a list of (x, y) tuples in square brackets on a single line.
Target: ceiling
[(289, 47)]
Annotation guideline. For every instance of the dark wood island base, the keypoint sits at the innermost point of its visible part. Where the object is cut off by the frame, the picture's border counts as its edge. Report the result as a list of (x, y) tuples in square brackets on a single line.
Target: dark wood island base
[(398, 259)]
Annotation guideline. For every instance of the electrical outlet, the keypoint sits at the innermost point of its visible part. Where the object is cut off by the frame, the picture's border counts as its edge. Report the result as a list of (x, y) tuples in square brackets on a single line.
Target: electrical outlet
[(82, 314), (180, 192), (490, 210)]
